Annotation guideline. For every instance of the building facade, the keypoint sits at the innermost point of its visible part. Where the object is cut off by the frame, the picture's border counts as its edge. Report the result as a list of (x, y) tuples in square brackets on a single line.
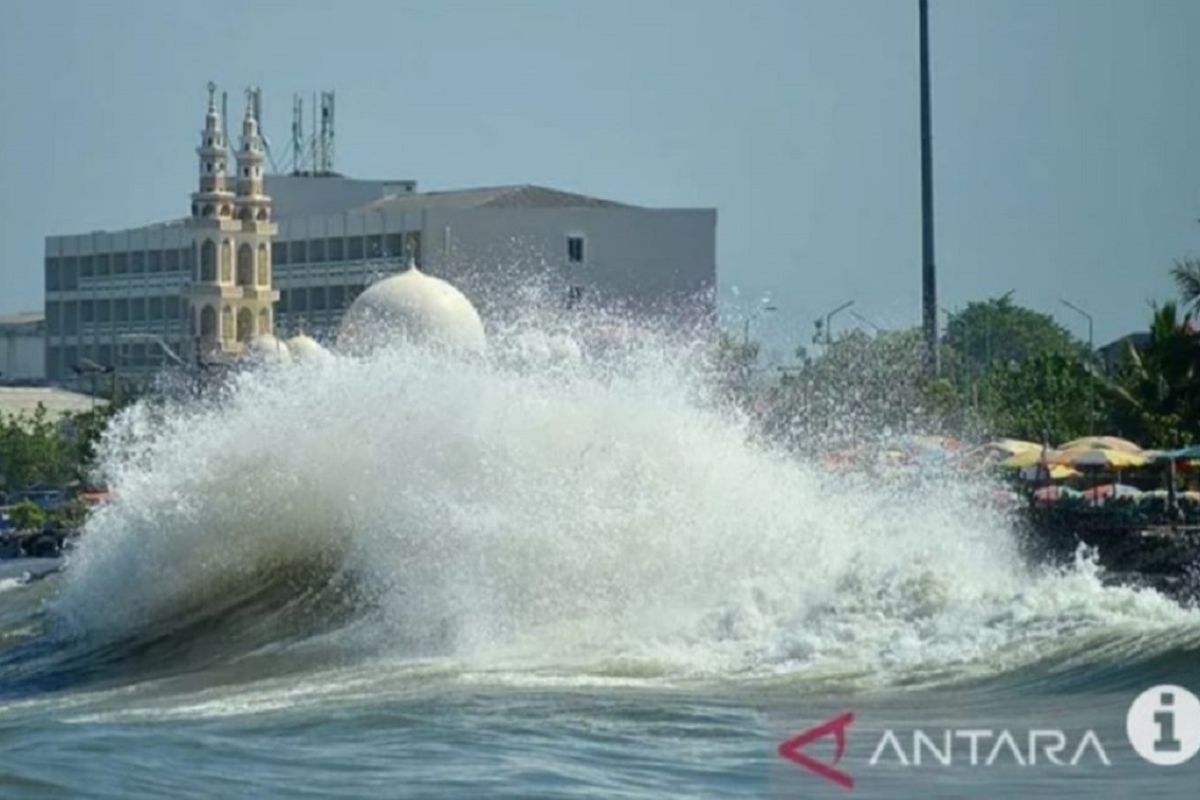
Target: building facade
[(286, 253), (23, 348)]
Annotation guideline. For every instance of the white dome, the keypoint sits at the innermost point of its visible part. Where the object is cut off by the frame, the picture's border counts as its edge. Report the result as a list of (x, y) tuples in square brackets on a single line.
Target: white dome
[(305, 348), (266, 347), (412, 306)]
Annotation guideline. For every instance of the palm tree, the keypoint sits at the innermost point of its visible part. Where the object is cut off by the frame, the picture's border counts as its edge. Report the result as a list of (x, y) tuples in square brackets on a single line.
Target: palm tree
[(1187, 277), (1157, 397)]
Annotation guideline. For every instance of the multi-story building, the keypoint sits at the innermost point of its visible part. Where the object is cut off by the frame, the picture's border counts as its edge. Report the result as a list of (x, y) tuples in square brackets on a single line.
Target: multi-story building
[(290, 252)]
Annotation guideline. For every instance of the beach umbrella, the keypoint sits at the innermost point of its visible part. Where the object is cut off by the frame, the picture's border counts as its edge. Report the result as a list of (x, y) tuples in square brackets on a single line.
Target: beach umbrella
[(1029, 458), (1101, 443), (1098, 458), (1058, 472)]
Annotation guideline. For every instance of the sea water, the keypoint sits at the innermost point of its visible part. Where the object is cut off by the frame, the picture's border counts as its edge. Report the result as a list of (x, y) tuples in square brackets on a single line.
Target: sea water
[(547, 574)]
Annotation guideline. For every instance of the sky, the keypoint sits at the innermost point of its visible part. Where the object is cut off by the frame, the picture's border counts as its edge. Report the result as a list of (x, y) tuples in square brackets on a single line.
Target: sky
[(1066, 133)]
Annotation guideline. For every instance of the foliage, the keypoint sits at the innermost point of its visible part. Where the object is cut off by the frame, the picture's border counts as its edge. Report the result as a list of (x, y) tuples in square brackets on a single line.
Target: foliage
[(861, 385), (733, 362), (999, 332), (1187, 277), (1047, 397), (33, 450), (27, 516), (1157, 390)]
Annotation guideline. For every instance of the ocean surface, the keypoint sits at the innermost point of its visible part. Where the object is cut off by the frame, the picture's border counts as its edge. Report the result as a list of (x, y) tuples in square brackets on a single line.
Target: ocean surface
[(544, 575)]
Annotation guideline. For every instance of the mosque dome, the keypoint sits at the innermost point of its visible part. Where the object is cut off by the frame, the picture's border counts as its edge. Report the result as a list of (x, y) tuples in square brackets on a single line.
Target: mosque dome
[(265, 347), (305, 348), (412, 306)]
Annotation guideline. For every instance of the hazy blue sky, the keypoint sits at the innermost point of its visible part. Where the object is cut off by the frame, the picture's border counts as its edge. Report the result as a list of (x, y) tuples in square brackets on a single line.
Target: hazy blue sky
[(1067, 134)]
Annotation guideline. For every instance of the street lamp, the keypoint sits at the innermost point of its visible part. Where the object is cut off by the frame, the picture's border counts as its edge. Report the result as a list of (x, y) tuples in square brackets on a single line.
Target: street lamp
[(88, 367), (766, 307), (829, 321), (1091, 355)]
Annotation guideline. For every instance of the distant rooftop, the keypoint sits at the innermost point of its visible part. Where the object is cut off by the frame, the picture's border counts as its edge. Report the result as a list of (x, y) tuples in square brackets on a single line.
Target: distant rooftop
[(24, 400), (22, 319), (520, 196)]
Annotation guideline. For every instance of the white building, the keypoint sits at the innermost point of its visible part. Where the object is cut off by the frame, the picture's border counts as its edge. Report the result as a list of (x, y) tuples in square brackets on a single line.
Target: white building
[(23, 348), (292, 251)]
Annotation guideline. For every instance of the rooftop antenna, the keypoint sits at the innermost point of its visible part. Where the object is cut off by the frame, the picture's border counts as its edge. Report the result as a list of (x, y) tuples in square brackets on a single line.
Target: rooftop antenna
[(225, 116), (326, 165), (297, 133)]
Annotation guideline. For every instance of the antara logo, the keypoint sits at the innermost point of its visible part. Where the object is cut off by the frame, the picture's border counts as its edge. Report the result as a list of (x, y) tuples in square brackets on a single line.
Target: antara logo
[(973, 746), (836, 727)]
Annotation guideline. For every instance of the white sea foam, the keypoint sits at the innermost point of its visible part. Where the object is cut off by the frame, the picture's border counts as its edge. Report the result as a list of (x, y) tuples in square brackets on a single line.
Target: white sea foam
[(541, 514)]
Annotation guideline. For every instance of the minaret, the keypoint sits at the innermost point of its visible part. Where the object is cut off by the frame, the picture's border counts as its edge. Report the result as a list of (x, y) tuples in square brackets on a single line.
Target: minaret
[(229, 297), (214, 198), (255, 309)]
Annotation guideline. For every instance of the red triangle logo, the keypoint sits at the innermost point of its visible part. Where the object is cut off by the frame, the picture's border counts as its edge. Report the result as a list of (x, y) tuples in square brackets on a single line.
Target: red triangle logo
[(836, 727)]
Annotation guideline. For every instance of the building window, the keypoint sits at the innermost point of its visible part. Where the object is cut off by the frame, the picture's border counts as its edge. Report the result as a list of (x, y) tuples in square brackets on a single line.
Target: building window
[(137, 309), (187, 259), (316, 298), (52, 275), (102, 264), (85, 266), (87, 311), (70, 317), (174, 309), (120, 263), (245, 265), (154, 259), (171, 259), (354, 248), (264, 266), (337, 249), (575, 253), (375, 246), (103, 311), (299, 300), (156, 308), (69, 278), (208, 260), (279, 253), (298, 254), (337, 297), (53, 318), (395, 245), (121, 309), (226, 261), (316, 251), (281, 305), (138, 262)]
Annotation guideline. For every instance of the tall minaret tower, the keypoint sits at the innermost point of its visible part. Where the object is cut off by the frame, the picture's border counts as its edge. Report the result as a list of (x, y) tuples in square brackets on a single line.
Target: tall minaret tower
[(230, 296), (255, 311)]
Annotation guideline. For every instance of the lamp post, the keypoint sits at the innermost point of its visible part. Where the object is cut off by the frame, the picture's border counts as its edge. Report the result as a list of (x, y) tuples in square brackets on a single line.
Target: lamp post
[(88, 367), (1091, 356), (829, 321), (766, 307)]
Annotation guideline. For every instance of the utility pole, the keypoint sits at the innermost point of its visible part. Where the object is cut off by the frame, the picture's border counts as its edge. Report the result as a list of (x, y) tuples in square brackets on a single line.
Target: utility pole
[(929, 306), (1090, 358)]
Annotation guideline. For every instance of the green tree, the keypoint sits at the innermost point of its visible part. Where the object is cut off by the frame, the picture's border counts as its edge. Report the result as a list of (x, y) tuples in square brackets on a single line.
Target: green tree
[(1049, 395), (27, 516), (999, 332), (1186, 273), (1157, 390)]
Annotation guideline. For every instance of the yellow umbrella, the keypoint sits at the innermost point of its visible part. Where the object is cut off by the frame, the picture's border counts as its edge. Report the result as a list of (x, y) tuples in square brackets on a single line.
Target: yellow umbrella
[(1058, 472), (1028, 458), (1098, 457), (1101, 443)]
